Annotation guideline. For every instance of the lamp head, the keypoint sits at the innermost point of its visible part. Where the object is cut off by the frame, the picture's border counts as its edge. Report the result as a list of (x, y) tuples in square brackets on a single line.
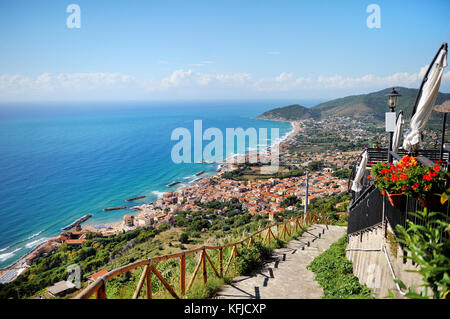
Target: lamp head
[(393, 98)]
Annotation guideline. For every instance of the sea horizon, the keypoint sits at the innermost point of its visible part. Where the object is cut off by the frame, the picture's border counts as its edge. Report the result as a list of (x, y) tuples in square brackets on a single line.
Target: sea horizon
[(77, 158)]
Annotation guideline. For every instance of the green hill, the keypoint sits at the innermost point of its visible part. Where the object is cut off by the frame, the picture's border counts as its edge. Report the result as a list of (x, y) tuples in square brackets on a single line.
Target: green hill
[(371, 105), (289, 113)]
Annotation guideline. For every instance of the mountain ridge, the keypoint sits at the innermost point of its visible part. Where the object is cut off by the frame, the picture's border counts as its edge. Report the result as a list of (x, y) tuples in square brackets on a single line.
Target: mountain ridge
[(370, 105)]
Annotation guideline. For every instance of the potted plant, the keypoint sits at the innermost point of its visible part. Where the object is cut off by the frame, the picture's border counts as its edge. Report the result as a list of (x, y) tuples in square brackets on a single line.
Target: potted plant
[(410, 177), (385, 177)]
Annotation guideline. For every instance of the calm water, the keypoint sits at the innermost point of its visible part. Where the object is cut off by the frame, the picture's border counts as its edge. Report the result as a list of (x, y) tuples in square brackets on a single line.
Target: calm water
[(61, 161)]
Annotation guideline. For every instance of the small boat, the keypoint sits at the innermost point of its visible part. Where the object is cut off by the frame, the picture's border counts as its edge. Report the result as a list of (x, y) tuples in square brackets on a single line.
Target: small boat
[(173, 183), (78, 221), (199, 173), (134, 198), (114, 208)]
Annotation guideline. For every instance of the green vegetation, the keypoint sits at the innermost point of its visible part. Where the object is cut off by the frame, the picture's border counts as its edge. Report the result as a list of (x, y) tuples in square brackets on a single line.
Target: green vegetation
[(248, 259), (216, 223), (290, 112), (94, 253), (428, 245), (334, 273), (315, 166), (327, 207), (373, 104), (342, 173), (248, 171)]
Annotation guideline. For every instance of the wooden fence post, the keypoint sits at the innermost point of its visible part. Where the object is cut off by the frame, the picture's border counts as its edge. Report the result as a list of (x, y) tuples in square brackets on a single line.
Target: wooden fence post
[(141, 282), (221, 261), (101, 292), (183, 274), (205, 275), (149, 279), (149, 283), (235, 259)]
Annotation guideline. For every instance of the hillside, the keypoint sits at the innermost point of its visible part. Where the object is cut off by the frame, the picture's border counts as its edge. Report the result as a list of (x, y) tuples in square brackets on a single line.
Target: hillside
[(289, 113), (372, 105)]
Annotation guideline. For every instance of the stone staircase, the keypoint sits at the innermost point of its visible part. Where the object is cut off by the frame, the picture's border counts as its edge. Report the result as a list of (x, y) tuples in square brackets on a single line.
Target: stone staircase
[(285, 276)]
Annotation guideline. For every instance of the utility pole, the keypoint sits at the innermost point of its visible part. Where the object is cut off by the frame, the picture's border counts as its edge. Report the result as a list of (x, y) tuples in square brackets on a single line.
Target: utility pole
[(306, 197)]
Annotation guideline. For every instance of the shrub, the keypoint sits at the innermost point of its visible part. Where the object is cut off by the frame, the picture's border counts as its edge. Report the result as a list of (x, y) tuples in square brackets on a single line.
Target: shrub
[(429, 247), (184, 238), (250, 258)]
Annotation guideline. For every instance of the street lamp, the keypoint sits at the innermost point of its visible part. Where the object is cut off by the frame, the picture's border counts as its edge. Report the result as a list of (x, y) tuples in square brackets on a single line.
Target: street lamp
[(391, 119), (393, 99)]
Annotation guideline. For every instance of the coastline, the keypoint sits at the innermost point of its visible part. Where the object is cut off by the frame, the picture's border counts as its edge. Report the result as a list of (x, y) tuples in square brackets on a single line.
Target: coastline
[(117, 226)]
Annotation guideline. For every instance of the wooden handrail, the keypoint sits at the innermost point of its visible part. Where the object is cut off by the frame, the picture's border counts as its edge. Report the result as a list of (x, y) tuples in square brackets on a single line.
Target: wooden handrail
[(98, 287)]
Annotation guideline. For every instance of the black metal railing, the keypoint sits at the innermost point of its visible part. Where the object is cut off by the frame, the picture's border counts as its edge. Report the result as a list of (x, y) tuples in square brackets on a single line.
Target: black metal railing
[(368, 211), (366, 206)]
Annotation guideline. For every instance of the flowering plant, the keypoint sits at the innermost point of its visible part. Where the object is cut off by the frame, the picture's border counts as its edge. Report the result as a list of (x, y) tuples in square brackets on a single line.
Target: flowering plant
[(409, 177)]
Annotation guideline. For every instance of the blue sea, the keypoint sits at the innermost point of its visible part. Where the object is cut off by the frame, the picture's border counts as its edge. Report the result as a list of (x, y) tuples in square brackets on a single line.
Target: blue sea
[(60, 161)]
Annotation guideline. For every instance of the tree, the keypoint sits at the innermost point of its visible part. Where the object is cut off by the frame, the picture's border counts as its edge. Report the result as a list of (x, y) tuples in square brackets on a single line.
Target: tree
[(184, 238), (315, 165)]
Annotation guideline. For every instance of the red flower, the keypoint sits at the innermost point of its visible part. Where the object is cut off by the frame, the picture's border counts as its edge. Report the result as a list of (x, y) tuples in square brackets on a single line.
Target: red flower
[(437, 168), (368, 176), (394, 178)]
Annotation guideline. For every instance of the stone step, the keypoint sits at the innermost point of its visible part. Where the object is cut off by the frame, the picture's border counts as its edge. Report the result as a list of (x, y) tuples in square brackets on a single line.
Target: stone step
[(286, 276)]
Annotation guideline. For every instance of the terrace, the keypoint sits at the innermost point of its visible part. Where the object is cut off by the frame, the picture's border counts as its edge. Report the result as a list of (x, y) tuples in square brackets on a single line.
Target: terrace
[(369, 208)]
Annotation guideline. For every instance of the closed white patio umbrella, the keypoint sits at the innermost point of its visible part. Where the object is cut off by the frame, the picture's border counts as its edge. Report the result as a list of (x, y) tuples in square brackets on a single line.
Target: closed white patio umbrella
[(356, 185), (426, 99), (397, 133)]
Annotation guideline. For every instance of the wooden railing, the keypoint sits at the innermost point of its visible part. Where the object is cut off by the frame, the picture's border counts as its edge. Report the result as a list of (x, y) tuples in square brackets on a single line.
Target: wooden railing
[(265, 235)]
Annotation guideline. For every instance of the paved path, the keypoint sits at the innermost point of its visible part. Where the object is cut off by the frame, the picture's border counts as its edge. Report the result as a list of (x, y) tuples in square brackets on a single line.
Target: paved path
[(285, 276)]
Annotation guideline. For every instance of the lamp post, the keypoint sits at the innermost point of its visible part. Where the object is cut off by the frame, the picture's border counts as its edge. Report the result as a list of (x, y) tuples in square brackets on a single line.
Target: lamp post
[(391, 119)]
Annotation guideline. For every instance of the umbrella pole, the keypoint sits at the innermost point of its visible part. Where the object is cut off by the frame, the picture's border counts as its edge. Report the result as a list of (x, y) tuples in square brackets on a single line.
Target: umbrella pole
[(444, 122)]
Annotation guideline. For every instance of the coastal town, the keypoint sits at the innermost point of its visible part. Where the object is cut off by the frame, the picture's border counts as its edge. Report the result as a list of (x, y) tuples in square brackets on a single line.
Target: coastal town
[(259, 196), (312, 145)]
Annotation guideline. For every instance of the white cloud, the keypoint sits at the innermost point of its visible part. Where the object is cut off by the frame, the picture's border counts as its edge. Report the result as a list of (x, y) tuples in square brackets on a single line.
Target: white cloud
[(189, 83), (203, 63), (176, 78)]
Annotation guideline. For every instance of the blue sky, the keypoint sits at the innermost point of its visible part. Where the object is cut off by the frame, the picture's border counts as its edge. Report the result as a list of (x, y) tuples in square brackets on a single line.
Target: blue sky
[(215, 49)]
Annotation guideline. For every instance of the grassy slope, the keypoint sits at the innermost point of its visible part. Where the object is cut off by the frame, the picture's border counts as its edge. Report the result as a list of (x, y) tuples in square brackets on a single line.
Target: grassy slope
[(248, 259), (334, 273)]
